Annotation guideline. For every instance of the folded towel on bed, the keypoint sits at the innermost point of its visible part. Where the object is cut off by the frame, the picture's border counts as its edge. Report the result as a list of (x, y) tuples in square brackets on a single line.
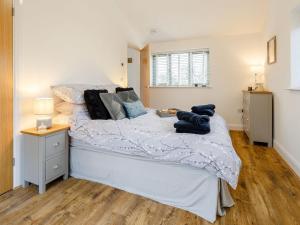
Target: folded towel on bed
[(183, 126), (201, 107), (207, 112), (194, 118)]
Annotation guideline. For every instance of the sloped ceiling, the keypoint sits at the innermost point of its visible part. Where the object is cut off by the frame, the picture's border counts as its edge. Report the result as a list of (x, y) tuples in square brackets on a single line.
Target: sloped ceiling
[(183, 19)]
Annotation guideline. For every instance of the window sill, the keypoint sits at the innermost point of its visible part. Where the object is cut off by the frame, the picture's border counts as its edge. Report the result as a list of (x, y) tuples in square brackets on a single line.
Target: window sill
[(180, 87), (294, 89)]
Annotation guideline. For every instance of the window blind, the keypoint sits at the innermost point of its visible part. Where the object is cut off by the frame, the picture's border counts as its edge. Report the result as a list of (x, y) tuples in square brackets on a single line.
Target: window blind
[(180, 69)]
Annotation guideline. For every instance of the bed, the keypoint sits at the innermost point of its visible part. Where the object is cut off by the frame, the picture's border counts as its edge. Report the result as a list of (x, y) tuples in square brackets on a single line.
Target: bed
[(146, 157)]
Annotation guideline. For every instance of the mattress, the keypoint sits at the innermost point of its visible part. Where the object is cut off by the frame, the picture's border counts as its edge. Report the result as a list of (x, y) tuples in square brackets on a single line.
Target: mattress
[(154, 138), (182, 186)]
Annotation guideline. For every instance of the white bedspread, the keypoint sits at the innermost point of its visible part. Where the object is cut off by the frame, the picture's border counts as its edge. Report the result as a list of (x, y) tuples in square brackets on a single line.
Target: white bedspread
[(155, 138)]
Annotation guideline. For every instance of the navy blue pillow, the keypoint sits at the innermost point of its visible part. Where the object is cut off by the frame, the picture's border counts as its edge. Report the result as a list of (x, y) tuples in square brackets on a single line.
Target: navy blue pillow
[(95, 106), (120, 89)]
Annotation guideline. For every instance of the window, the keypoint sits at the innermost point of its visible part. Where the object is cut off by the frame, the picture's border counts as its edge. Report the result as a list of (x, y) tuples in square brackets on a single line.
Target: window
[(180, 69)]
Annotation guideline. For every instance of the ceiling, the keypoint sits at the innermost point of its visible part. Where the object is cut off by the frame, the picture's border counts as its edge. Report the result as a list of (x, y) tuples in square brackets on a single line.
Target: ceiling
[(183, 19)]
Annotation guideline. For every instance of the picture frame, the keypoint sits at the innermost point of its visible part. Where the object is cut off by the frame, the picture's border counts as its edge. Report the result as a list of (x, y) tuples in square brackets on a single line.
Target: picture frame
[(272, 50)]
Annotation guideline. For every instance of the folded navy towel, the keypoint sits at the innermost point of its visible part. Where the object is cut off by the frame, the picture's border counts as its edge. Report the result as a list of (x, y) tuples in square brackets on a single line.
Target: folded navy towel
[(207, 112), (187, 127), (194, 118), (201, 107)]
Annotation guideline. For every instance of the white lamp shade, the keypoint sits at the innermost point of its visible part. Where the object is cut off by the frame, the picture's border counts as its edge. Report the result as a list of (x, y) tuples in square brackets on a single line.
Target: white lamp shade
[(256, 69), (43, 106)]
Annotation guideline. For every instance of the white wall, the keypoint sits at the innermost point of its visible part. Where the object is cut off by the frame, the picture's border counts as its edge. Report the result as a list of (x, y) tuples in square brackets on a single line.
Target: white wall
[(64, 42), (295, 48), (278, 78), (133, 70), (230, 61)]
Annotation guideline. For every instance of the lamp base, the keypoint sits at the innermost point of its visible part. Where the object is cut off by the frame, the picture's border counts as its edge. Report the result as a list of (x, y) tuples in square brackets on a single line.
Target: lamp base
[(259, 87), (43, 123)]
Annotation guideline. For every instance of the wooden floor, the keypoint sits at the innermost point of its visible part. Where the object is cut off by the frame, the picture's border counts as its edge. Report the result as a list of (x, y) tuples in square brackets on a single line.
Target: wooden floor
[(268, 193)]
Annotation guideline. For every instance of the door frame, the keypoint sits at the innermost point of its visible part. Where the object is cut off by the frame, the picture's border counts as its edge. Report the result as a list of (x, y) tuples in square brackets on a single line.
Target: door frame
[(145, 75), (7, 96)]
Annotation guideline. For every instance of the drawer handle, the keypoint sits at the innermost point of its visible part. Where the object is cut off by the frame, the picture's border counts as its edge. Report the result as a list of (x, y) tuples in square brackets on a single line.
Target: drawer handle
[(55, 167), (56, 144)]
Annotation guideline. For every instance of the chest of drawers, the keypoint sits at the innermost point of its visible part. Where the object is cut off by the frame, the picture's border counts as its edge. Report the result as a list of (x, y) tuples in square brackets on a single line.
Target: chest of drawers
[(258, 116)]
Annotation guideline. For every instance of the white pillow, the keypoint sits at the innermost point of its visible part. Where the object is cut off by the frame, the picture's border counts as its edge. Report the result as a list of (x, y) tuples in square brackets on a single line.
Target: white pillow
[(73, 93), (62, 119), (67, 108)]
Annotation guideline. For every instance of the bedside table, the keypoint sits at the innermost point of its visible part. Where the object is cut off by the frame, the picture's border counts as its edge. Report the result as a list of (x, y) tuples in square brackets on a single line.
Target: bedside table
[(45, 155)]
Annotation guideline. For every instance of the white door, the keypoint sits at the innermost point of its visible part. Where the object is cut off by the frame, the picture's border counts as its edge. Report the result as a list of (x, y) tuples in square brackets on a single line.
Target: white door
[(133, 69)]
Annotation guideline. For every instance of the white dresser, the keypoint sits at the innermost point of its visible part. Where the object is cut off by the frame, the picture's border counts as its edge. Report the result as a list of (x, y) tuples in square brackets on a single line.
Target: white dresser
[(45, 155), (258, 116)]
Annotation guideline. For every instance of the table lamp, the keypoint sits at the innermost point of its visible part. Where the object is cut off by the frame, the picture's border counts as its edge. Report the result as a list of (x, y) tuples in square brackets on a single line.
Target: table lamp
[(257, 69), (43, 108)]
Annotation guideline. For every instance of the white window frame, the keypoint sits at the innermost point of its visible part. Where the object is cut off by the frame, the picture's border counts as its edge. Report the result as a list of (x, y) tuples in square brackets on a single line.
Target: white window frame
[(190, 52)]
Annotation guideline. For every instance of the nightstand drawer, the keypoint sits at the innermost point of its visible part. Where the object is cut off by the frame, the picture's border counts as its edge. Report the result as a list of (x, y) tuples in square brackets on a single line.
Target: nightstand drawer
[(55, 144), (55, 167)]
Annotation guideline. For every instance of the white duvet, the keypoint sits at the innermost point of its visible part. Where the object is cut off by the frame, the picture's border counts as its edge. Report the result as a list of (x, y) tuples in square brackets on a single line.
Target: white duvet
[(155, 138)]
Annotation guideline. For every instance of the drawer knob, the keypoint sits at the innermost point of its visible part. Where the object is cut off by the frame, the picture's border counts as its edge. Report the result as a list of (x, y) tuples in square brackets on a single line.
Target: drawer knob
[(55, 167), (56, 144)]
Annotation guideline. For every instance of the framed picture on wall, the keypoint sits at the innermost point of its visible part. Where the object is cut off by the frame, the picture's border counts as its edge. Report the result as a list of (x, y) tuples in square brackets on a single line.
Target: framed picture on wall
[(272, 51)]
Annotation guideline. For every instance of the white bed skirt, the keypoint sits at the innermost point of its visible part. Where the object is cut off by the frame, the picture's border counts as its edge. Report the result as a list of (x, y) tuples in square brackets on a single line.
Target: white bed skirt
[(188, 188)]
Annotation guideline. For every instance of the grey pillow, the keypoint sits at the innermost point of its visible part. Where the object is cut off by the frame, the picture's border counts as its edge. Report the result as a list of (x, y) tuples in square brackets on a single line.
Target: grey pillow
[(128, 96), (114, 106)]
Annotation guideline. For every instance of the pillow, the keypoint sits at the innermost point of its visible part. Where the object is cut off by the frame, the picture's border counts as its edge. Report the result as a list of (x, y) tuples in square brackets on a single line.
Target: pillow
[(95, 106), (114, 105), (69, 108), (62, 119), (134, 109), (128, 96), (120, 89), (73, 93)]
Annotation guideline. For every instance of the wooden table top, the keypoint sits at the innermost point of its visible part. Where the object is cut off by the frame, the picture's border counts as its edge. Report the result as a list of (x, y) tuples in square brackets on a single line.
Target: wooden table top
[(55, 128)]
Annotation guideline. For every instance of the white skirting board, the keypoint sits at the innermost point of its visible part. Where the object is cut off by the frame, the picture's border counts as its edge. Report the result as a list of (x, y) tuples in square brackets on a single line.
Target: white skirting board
[(294, 164)]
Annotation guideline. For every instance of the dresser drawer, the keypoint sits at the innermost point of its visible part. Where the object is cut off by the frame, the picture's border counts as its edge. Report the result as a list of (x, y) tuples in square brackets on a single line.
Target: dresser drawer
[(55, 144), (55, 167)]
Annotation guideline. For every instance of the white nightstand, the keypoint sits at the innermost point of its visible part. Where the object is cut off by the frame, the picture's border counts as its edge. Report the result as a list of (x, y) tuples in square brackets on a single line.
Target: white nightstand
[(45, 155)]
